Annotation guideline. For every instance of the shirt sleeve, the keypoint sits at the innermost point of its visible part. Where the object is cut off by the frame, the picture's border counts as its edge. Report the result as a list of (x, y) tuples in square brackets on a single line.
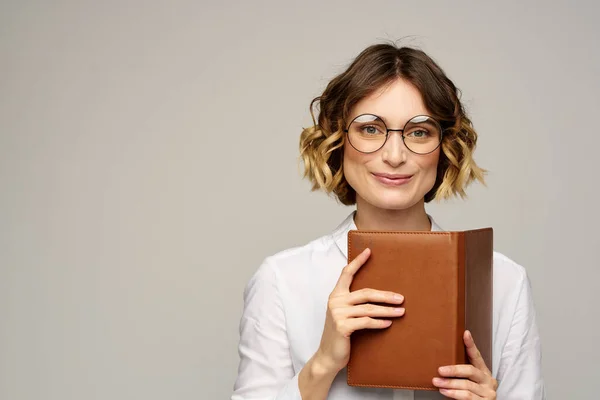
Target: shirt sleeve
[(265, 370), (520, 369)]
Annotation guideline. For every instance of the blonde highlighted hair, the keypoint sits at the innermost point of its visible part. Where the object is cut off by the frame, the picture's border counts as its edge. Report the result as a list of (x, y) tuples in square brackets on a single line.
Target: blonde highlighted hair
[(322, 145)]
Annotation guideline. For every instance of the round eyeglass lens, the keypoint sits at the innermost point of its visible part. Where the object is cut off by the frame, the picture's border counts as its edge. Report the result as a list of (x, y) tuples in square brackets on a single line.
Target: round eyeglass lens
[(367, 133), (422, 134)]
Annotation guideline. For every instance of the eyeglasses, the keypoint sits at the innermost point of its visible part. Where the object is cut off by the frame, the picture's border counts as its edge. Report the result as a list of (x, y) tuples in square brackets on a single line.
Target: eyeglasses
[(368, 133)]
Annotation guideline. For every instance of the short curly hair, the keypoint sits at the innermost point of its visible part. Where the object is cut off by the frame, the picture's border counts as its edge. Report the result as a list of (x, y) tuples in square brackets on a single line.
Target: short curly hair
[(321, 145)]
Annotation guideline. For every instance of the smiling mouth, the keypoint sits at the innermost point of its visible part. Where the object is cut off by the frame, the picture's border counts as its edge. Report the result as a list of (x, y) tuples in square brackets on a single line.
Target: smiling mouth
[(392, 179)]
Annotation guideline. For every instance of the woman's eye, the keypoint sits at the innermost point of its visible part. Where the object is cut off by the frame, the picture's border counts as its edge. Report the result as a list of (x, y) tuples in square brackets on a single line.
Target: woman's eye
[(370, 129), (419, 133)]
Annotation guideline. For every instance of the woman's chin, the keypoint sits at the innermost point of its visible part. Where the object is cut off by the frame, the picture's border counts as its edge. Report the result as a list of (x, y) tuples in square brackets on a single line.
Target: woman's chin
[(393, 202)]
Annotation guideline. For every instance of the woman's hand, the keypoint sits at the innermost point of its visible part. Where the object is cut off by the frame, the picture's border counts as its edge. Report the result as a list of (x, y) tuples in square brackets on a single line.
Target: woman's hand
[(350, 311), (477, 381)]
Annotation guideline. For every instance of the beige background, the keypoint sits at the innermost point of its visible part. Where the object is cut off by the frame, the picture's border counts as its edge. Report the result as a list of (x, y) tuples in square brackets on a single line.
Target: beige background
[(148, 163)]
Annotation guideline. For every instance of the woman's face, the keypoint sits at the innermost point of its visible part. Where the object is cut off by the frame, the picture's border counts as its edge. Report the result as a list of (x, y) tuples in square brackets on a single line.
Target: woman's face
[(409, 176)]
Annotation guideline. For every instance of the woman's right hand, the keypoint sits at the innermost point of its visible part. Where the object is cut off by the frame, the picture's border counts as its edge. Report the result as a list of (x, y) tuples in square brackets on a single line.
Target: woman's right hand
[(350, 311)]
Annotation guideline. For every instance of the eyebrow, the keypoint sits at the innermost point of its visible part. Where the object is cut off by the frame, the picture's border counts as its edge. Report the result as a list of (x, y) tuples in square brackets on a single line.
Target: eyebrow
[(385, 121)]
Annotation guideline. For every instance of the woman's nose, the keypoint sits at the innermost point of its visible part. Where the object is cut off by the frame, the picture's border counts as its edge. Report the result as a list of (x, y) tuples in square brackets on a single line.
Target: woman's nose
[(394, 150)]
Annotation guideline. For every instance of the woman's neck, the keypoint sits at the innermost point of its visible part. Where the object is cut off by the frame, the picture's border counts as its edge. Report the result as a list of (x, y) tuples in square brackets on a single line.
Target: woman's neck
[(369, 218)]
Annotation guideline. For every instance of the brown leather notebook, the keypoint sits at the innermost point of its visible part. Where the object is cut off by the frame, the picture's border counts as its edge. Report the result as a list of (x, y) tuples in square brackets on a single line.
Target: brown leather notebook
[(446, 281)]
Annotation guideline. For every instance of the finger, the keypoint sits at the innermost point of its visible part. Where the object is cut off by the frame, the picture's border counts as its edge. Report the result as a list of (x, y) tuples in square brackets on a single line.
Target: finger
[(368, 295), (371, 310), (351, 325), (474, 353), (459, 394), (463, 371), (345, 279), (461, 384)]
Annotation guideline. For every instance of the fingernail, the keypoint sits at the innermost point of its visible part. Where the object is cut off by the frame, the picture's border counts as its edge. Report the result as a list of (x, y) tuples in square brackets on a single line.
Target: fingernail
[(437, 381), (399, 310), (398, 297), (443, 370)]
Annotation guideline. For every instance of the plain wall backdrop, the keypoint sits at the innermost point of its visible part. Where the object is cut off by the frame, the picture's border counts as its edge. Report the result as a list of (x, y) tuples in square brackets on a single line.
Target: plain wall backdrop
[(149, 163)]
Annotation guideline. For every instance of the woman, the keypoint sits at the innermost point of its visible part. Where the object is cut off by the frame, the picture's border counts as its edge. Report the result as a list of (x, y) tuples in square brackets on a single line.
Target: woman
[(391, 136)]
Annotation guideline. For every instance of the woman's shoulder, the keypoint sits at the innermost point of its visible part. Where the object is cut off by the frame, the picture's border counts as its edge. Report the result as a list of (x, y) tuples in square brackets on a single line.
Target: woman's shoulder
[(508, 266), (298, 266), (301, 257), (310, 251), (509, 277)]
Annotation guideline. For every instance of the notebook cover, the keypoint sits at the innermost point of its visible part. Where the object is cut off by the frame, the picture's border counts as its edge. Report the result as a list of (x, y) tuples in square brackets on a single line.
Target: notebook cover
[(446, 281)]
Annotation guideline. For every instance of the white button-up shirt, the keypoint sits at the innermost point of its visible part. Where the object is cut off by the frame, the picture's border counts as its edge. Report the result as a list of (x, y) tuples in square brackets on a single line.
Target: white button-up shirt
[(285, 304)]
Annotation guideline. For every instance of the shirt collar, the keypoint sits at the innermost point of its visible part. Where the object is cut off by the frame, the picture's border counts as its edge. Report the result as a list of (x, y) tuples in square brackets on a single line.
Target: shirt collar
[(340, 234)]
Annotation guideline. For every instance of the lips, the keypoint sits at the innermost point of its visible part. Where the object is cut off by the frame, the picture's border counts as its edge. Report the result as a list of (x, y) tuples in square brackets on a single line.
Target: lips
[(393, 176), (392, 179)]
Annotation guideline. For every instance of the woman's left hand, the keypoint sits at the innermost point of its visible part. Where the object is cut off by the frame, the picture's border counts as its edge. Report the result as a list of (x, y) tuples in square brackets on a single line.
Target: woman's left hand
[(475, 380)]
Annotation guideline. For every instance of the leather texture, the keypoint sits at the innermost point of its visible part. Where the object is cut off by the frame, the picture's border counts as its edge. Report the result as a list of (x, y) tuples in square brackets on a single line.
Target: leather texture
[(446, 281)]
